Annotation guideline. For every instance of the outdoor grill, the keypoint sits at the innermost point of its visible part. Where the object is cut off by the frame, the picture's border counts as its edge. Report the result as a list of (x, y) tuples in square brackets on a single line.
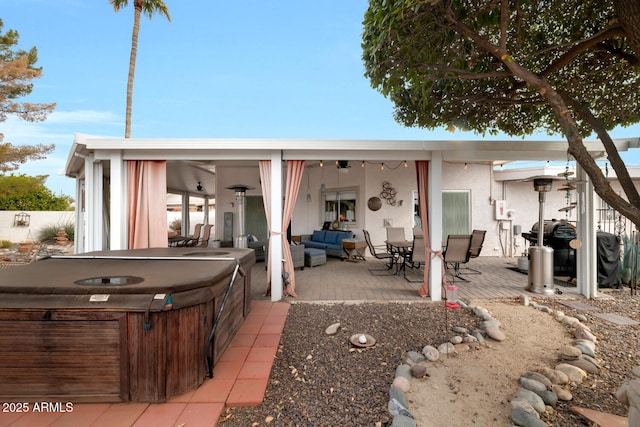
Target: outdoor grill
[(557, 235)]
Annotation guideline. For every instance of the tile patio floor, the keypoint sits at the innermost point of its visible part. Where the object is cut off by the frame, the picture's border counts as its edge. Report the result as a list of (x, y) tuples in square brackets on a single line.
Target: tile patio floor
[(241, 375)]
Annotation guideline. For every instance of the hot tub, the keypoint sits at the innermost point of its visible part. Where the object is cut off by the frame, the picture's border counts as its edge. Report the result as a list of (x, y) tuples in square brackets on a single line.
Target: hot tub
[(119, 326)]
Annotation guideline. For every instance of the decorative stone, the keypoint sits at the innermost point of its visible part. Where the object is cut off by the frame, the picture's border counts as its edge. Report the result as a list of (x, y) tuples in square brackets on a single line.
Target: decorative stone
[(559, 314), (568, 352), (561, 392), (519, 402), (332, 329), (548, 397), (478, 335), (460, 330), (555, 376), (399, 396), (495, 333), (588, 343), (403, 421), (462, 348), (404, 371), (446, 348), (396, 408), (584, 334), (415, 357), (523, 418), (569, 320), (584, 364), (536, 401), (401, 383), (538, 377), (533, 385), (456, 339), (585, 350), (430, 353), (468, 338), (575, 374), (525, 300), (418, 371), (489, 323), (581, 317)]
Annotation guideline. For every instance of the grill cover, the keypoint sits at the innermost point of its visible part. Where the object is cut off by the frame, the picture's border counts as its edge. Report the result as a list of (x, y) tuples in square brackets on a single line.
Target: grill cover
[(608, 246)]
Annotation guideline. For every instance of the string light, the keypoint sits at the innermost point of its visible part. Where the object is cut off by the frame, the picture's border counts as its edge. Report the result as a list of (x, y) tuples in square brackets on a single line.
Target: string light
[(405, 164), (321, 163), (465, 166), (363, 163), (382, 166)]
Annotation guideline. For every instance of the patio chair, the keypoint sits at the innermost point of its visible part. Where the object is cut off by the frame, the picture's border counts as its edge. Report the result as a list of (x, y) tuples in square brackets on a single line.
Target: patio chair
[(395, 234), (457, 253), (477, 239), (378, 254), (417, 257), (195, 237), (204, 240)]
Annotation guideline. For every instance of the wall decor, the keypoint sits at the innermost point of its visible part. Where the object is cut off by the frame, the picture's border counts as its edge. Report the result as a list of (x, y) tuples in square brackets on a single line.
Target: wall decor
[(388, 193), (374, 203)]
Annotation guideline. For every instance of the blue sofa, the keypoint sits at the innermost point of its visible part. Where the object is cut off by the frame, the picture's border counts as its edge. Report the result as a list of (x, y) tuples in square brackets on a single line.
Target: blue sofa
[(329, 240)]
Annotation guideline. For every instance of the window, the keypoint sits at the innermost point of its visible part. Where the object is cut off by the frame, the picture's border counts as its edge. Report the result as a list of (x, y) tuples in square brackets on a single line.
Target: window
[(456, 212), (340, 206)]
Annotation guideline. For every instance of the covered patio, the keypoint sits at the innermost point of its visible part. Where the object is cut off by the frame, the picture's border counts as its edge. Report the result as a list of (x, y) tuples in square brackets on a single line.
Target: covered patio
[(100, 166)]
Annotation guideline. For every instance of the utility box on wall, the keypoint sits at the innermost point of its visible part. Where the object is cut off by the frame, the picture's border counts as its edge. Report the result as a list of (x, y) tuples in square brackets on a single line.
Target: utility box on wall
[(501, 210)]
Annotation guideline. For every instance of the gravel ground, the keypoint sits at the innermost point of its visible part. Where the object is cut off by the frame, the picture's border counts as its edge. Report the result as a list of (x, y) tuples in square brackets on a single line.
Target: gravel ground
[(320, 380)]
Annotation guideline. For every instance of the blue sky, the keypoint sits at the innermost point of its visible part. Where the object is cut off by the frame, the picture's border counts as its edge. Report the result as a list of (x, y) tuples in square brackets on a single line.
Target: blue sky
[(251, 69)]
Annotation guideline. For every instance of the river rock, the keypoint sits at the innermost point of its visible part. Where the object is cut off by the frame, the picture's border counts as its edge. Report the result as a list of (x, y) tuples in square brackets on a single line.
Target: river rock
[(482, 313), (519, 402), (569, 320), (495, 333), (581, 325), (568, 352), (588, 343), (403, 370), (584, 364), (536, 401), (418, 371), (575, 374), (584, 334), (456, 339), (430, 353), (468, 338), (546, 309), (489, 323), (525, 419), (446, 348), (561, 392), (403, 421), (585, 350), (332, 329), (402, 383), (462, 348), (533, 385), (460, 330), (538, 377), (555, 376), (397, 394), (548, 397), (559, 314), (581, 317), (396, 408), (415, 357)]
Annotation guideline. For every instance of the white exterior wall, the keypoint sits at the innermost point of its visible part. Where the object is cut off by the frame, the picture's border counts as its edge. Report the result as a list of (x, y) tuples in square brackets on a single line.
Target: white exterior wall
[(38, 221)]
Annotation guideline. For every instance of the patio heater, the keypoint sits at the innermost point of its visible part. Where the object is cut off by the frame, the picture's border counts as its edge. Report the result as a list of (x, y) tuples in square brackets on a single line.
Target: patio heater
[(540, 274), (240, 241)]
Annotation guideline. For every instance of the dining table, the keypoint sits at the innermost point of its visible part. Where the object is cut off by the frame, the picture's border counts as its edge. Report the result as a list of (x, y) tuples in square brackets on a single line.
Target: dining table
[(401, 249)]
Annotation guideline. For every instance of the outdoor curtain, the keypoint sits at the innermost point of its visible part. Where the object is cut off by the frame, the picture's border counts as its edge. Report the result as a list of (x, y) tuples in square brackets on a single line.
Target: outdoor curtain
[(422, 173), (295, 169), (147, 203)]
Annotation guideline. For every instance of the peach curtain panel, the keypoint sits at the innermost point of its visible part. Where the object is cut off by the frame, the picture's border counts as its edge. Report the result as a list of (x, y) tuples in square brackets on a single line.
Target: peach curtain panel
[(265, 179), (147, 203), (295, 170), (422, 172)]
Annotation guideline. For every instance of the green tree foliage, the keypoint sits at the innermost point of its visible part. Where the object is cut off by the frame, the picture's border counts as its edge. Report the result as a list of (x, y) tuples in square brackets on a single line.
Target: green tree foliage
[(513, 66), (17, 70), (28, 193), (149, 8)]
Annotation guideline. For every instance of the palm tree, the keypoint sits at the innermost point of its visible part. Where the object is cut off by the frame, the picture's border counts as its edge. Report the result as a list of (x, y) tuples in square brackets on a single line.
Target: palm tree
[(149, 8)]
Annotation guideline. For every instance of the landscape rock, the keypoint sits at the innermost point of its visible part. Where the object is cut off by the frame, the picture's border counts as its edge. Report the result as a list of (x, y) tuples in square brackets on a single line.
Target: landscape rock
[(575, 374), (446, 348), (495, 333), (403, 421), (415, 357), (534, 400), (568, 352), (332, 329), (418, 371), (533, 385), (561, 392), (538, 377), (430, 353), (526, 419), (555, 376)]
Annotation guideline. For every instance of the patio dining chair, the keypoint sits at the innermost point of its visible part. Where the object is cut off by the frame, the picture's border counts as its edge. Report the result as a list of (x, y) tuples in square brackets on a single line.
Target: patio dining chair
[(477, 239), (379, 252), (204, 240), (416, 257), (457, 253), (195, 237)]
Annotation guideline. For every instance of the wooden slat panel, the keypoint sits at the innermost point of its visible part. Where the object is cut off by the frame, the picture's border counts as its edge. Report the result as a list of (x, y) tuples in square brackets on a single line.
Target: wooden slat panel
[(47, 357)]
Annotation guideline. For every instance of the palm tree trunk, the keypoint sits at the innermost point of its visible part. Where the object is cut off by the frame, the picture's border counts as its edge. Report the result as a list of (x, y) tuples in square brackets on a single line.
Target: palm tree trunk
[(132, 67)]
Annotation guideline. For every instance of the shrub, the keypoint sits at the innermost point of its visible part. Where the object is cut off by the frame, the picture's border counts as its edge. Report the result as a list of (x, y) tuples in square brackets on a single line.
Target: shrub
[(5, 244), (48, 234)]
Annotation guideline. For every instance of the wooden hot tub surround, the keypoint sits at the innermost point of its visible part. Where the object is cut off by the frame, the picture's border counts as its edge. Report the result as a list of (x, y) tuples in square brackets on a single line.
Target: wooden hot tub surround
[(112, 341)]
